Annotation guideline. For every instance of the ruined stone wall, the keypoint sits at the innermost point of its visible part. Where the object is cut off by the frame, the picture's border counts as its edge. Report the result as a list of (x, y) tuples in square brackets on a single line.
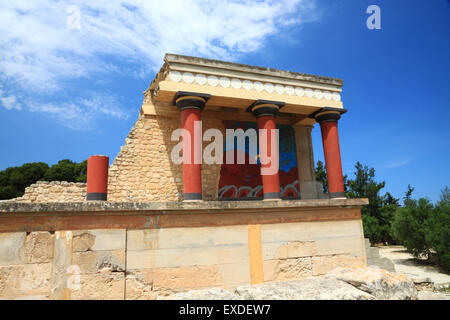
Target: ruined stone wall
[(143, 170), (55, 191), (147, 263)]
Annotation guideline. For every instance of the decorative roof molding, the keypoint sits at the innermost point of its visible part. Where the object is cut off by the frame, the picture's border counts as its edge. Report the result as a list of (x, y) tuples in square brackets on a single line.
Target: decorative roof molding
[(234, 84)]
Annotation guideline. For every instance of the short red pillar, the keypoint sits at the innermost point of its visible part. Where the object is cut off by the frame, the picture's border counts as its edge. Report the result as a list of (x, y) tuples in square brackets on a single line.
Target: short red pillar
[(97, 178), (328, 118), (265, 113), (191, 104)]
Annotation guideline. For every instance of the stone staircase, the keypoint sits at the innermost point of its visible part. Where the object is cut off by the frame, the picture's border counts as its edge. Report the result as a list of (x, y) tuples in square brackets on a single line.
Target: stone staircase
[(373, 258)]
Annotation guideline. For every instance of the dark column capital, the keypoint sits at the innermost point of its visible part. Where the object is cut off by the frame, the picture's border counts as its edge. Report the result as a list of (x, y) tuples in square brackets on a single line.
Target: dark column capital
[(327, 114), (190, 100), (261, 108)]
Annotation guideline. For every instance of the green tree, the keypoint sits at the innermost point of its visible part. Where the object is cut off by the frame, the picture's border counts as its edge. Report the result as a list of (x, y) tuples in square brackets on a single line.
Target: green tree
[(14, 180), (407, 199), (378, 214), (413, 227), (441, 230), (321, 175), (81, 171), (64, 170)]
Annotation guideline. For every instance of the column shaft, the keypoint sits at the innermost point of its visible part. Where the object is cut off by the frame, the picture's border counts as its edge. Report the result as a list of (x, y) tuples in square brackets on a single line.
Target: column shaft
[(192, 172), (332, 153), (191, 104), (328, 118), (97, 178), (265, 112), (271, 183)]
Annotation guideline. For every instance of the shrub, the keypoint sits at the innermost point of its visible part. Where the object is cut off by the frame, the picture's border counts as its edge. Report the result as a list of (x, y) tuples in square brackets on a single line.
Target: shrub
[(413, 227)]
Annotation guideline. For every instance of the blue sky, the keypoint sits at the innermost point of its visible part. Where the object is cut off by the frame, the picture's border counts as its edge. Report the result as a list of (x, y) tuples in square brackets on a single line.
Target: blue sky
[(68, 92)]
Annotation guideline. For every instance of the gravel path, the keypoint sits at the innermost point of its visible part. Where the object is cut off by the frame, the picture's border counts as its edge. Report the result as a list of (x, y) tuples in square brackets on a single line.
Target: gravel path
[(406, 264)]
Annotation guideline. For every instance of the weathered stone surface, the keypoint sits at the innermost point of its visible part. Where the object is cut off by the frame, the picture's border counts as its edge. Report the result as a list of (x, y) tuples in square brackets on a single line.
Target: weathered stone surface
[(97, 240), (11, 207), (383, 263), (139, 285), (306, 289), (60, 264), (290, 249), (105, 285), (25, 280), (378, 282), (143, 170), (11, 248), (98, 261), (205, 294), (324, 264), (183, 278), (287, 269), (83, 241), (39, 247), (54, 191), (431, 295)]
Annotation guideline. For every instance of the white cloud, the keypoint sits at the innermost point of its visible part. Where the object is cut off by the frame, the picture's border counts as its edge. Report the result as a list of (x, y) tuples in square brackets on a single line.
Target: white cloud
[(397, 164), (10, 102), (80, 114), (39, 52)]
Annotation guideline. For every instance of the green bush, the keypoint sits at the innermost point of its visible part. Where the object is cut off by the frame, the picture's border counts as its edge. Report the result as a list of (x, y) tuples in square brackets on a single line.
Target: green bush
[(441, 235), (424, 229), (14, 180), (413, 227)]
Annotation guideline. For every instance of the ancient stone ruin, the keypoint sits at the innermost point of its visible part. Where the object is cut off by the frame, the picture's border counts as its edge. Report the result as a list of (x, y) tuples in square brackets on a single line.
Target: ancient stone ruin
[(147, 227)]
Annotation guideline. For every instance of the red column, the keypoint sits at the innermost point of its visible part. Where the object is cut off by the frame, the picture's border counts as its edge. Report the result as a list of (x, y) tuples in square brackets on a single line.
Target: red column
[(332, 152), (271, 183), (192, 172), (191, 104), (328, 118), (265, 112), (97, 178)]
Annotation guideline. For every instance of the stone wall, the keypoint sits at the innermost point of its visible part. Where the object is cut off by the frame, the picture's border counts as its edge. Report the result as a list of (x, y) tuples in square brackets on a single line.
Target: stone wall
[(143, 170), (55, 191), (147, 263)]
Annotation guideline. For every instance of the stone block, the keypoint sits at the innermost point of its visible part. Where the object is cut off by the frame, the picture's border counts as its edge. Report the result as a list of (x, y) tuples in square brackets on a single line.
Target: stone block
[(145, 239), (25, 280), (39, 247), (340, 245), (99, 261), (372, 253), (323, 264), (234, 273), (60, 264), (104, 239), (293, 249), (184, 278), (139, 285), (287, 269), (309, 231), (12, 248), (100, 286), (177, 257)]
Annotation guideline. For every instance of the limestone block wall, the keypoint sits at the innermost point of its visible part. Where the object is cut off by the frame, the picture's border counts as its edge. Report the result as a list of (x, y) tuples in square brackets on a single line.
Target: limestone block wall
[(55, 191), (146, 263), (143, 170)]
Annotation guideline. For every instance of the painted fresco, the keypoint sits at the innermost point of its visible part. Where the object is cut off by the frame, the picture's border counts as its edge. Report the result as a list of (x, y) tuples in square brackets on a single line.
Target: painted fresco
[(243, 181)]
